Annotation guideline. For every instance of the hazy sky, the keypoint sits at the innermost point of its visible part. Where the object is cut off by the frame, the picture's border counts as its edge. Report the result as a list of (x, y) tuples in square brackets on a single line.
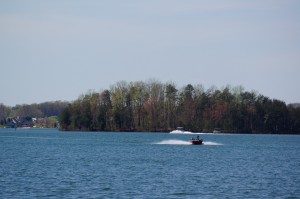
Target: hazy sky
[(57, 50)]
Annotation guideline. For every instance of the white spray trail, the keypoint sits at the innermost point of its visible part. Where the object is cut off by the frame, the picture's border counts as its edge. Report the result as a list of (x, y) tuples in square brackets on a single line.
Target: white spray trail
[(182, 142), (177, 142), (211, 143)]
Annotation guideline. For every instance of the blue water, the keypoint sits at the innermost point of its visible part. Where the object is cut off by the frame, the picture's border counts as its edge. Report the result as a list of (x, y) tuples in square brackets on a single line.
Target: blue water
[(46, 163)]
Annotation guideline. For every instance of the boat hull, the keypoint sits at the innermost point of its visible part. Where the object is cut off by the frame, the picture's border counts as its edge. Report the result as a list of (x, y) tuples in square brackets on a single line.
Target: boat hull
[(180, 130), (196, 142)]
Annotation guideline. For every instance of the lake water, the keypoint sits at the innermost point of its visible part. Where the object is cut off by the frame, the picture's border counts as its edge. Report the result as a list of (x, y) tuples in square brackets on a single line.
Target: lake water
[(46, 163)]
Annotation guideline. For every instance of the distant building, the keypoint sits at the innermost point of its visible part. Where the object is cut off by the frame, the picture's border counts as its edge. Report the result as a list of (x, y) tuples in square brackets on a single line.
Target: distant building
[(10, 123), (295, 105), (18, 122)]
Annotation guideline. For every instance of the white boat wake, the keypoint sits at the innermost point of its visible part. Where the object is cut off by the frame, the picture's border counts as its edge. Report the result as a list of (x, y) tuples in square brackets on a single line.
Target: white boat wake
[(187, 132), (182, 142), (177, 142), (211, 143)]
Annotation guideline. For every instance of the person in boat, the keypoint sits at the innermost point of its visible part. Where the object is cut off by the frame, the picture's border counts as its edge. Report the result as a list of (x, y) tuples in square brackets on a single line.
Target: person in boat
[(198, 137)]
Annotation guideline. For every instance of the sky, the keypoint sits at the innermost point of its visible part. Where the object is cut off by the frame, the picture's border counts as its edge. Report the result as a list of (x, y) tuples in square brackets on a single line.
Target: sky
[(59, 49)]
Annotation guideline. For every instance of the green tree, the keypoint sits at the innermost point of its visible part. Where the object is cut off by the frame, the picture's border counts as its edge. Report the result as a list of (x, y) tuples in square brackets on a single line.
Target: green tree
[(187, 107), (65, 118), (171, 99)]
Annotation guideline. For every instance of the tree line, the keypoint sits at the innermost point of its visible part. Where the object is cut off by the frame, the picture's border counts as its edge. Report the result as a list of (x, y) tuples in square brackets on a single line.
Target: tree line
[(154, 106)]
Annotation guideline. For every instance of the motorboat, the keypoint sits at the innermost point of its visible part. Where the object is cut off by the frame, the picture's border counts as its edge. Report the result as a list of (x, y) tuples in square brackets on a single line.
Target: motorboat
[(196, 141), (180, 130), (216, 131)]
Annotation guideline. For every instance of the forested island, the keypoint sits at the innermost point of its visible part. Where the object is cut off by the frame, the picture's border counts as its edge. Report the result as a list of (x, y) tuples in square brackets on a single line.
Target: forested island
[(153, 106)]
